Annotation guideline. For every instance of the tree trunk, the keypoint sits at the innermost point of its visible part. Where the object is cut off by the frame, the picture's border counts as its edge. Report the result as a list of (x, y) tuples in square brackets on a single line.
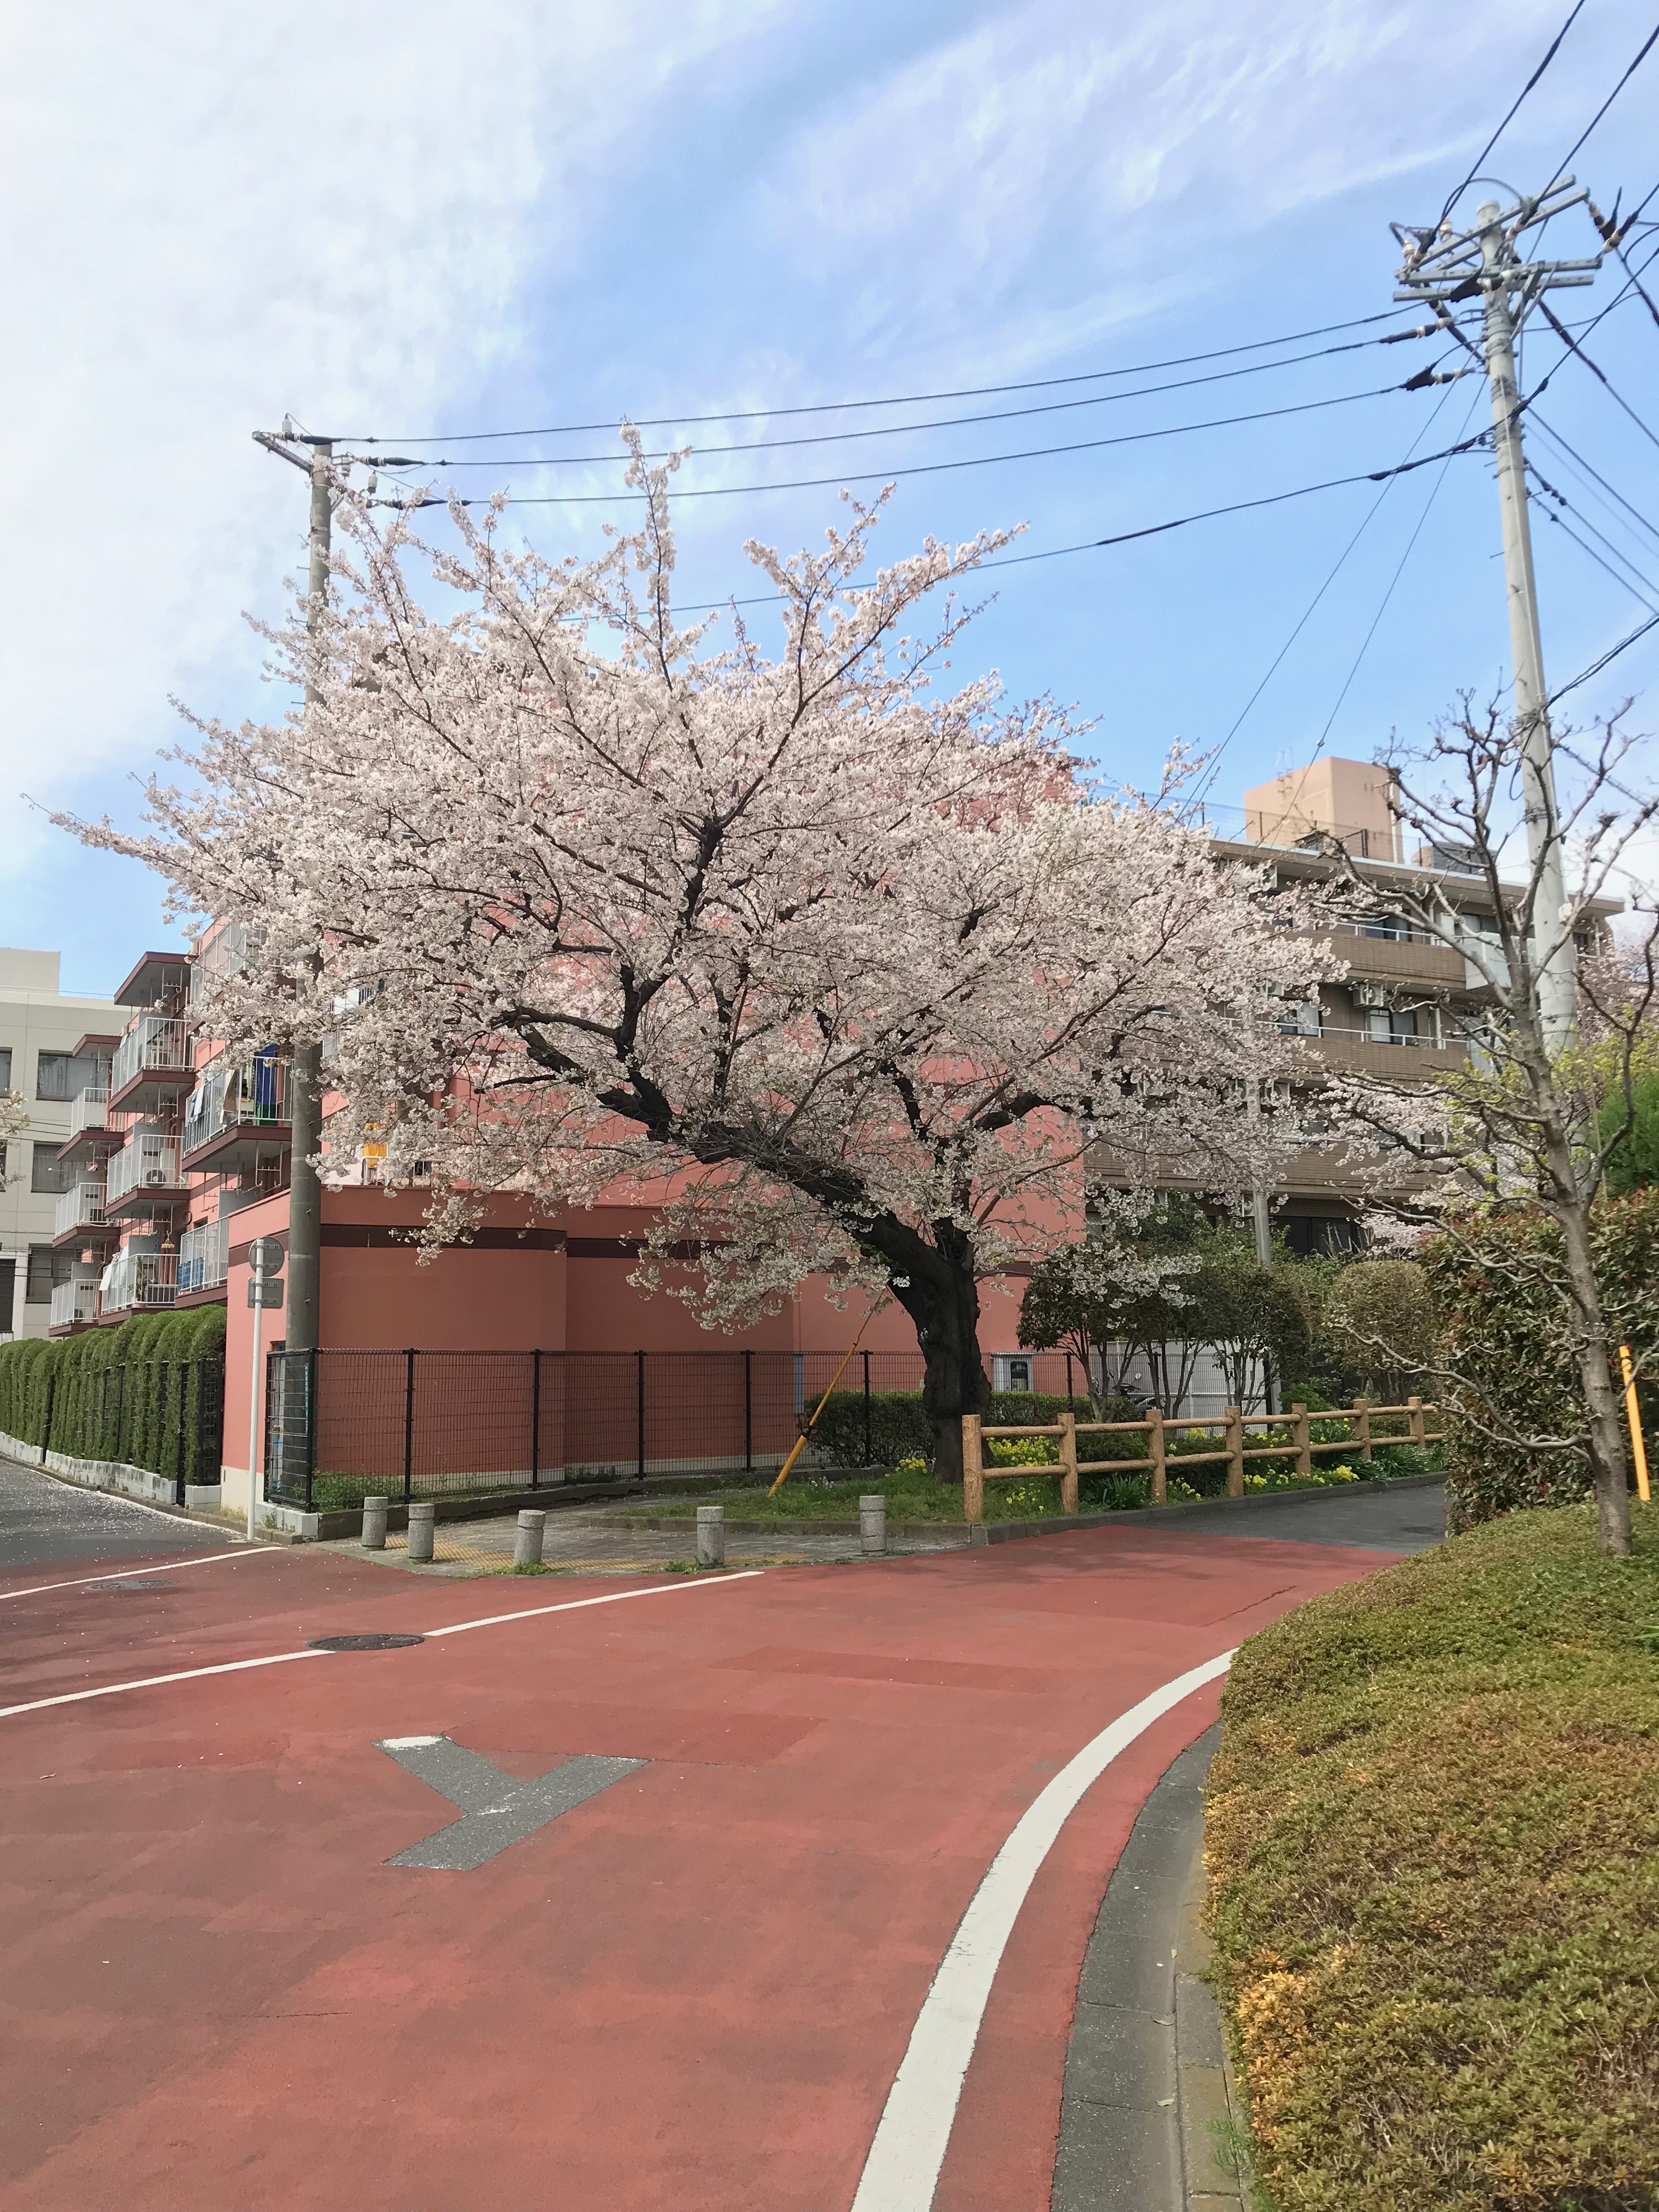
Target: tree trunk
[(1608, 1467), (941, 1297)]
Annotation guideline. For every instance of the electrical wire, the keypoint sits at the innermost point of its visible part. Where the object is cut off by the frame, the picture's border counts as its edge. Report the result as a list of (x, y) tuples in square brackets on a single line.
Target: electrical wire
[(1639, 592), (1480, 159), (1348, 682), (1607, 658), (1599, 373), (902, 399), (917, 468), (1207, 781), (1646, 47), (1573, 455), (1158, 529), (882, 430)]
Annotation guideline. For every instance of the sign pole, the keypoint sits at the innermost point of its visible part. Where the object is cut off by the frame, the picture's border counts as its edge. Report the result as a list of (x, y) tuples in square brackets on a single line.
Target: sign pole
[(258, 1287)]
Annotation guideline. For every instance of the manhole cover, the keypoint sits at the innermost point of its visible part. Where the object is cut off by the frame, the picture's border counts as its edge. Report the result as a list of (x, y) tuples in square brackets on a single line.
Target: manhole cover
[(362, 1642)]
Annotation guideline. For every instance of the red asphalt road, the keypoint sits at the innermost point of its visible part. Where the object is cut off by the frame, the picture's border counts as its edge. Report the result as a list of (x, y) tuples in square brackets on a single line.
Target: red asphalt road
[(691, 1991)]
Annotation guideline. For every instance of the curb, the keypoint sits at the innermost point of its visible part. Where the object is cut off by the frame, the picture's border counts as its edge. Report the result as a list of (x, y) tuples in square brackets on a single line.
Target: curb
[(1149, 2098), (1056, 1524)]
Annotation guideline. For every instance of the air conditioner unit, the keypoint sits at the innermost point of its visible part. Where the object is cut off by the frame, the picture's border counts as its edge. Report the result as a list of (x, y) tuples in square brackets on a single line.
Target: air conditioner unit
[(155, 1178), (1371, 994)]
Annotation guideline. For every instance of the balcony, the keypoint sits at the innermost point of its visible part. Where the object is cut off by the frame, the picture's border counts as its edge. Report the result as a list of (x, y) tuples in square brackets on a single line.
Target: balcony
[(1367, 1052), (237, 1114), (80, 1208), (204, 1257), (152, 1064), (1395, 955), (139, 1282), (145, 1174), (75, 1304)]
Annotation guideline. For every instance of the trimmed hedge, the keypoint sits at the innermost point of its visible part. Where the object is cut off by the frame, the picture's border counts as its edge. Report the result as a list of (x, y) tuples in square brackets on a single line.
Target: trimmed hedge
[(1501, 1325), (1432, 1838), (114, 1394)]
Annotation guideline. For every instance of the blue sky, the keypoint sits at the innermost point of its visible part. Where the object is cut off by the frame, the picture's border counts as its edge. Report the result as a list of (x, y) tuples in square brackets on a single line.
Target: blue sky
[(417, 220)]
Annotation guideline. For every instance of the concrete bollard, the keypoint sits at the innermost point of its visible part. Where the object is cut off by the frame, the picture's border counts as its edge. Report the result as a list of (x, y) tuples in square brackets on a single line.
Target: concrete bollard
[(711, 1536), (421, 1518), (872, 1525), (375, 1523), (527, 1544)]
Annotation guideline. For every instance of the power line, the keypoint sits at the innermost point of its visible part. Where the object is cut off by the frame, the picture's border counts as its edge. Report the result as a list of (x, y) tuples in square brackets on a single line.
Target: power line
[(1158, 529), (1207, 781), (1574, 455), (1476, 166), (902, 399), (390, 462), (1609, 656), (1364, 647), (919, 468), (1606, 567), (1562, 167), (1600, 374)]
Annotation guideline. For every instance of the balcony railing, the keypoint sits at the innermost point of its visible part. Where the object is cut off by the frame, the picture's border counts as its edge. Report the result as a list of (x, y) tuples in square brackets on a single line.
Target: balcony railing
[(155, 1042), (204, 1256), (251, 1095), (89, 1111), (74, 1302), (140, 1281), (1410, 1041), (147, 1161), (81, 1207)]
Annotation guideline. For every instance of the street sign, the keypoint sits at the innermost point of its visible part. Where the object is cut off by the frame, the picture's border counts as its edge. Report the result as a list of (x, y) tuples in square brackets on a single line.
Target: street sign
[(265, 1255), (264, 1290)]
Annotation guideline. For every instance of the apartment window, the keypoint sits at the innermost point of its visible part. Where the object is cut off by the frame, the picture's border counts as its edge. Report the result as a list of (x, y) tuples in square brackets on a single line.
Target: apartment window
[(8, 1295), (5, 1067), (47, 1172), (46, 1269)]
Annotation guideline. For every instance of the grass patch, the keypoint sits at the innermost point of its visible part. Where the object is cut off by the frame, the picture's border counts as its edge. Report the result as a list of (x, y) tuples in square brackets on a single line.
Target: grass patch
[(1433, 1843)]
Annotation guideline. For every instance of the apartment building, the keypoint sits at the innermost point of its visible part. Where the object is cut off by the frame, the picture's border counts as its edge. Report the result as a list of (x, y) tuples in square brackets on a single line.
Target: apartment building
[(52, 1045), (1410, 1005)]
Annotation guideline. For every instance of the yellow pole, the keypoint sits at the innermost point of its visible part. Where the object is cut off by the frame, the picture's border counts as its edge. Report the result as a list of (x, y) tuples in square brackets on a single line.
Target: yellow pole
[(1633, 1414), (801, 1441)]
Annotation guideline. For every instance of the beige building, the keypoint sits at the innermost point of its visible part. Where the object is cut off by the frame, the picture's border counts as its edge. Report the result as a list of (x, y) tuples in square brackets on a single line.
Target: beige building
[(52, 1047)]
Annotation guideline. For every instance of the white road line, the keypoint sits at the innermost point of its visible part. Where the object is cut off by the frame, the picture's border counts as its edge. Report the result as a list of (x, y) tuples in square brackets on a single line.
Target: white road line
[(153, 1682), (280, 1658), (902, 2171), (126, 1574)]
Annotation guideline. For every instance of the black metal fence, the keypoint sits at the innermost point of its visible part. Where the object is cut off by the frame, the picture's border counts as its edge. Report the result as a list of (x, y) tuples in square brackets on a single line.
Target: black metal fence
[(343, 1425)]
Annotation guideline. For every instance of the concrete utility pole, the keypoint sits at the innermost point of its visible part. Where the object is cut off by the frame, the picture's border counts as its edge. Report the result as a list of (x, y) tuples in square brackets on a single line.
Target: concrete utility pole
[(1444, 268)]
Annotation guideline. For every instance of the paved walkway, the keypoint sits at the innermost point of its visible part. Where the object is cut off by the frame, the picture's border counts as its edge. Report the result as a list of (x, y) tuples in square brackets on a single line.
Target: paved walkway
[(618, 1894), (44, 1519)]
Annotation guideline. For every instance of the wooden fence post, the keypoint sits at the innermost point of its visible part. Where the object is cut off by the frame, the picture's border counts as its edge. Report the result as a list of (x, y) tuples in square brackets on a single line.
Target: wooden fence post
[(1068, 1463), (1304, 1451), (973, 1470), (1155, 1452), (1235, 1452), (1414, 1407), (1362, 1414)]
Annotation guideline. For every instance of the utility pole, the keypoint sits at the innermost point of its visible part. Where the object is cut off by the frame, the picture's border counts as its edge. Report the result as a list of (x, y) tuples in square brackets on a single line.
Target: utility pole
[(305, 1204), (1444, 268)]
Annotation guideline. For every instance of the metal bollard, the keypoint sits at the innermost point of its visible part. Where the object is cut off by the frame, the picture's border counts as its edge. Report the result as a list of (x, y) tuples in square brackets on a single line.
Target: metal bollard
[(375, 1523), (872, 1525), (711, 1536), (421, 1518), (527, 1544)]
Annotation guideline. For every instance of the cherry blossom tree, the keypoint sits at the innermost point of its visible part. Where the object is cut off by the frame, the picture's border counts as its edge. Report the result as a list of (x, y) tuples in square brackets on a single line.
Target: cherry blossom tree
[(14, 1120), (837, 967)]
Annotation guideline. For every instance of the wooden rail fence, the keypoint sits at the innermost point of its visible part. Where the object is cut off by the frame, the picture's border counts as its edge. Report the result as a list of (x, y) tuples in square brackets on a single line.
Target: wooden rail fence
[(1231, 1425)]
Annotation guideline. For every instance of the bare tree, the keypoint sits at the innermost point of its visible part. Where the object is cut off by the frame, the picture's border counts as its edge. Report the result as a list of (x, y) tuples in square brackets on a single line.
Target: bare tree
[(1529, 1120)]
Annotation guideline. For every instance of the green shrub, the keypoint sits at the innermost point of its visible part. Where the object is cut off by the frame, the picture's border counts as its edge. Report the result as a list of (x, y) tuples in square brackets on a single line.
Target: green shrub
[(148, 1394), (1502, 1334), (1432, 1838), (900, 1429)]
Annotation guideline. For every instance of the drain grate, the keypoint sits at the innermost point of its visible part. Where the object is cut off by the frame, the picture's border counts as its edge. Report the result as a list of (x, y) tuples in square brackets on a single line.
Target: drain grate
[(362, 1642)]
